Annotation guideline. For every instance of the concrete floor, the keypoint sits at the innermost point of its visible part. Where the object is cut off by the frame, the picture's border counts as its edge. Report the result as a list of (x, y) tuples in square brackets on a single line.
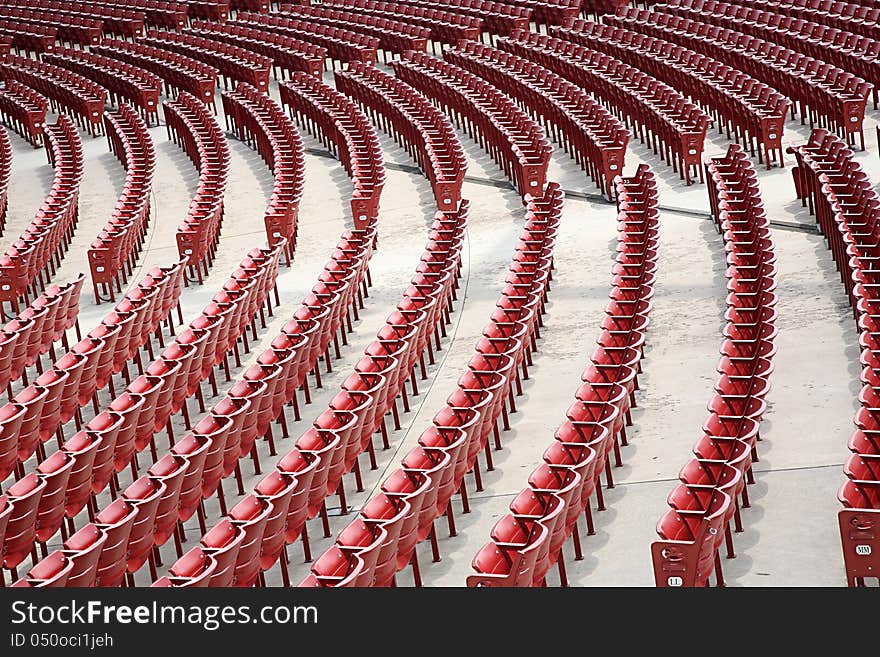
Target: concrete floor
[(791, 535)]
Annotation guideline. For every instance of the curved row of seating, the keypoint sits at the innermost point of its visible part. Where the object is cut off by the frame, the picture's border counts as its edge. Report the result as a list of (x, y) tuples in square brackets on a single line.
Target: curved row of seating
[(825, 94), (498, 17), (63, 485), (858, 16), (550, 12), (395, 36), (528, 540), (113, 253), (124, 82), (27, 38), (347, 133), (34, 332), (705, 501), (24, 110), (445, 26), (262, 123), (157, 13), (235, 549), (288, 54), (113, 21), (144, 408), (846, 50), (192, 127), (675, 127), (587, 131), (383, 538), (509, 134), (178, 72), (846, 207), (29, 263), (277, 512), (233, 63), (68, 28), (341, 45), (65, 90), (414, 123), (212, 10), (755, 111), (5, 169)]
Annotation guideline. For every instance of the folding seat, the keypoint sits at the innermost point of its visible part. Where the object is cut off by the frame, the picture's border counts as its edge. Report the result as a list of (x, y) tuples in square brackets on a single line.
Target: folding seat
[(171, 471), (301, 466), (251, 514), (243, 428), (365, 541), (144, 495), (390, 513), (55, 472), (11, 417), (194, 569), (334, 568), (105, 426), (223, 543), (24, 498), (33, 399), (50, 572), (84, 549), (518, 545), (412, 487), (277, 489), (129, 407)]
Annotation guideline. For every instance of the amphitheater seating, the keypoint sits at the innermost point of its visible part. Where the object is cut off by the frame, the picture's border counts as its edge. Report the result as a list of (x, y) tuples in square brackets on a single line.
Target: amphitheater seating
[(66, 90), (824, 93), (587, 131), (26, 37), (675, 127), (858, 16), (846, 208), (703, 505), (178, 72), (114, 251), (846, 50), (70, 29), (287, 53), (262, 123), (111, 21), (751, 109), (24, 110), (123, 82), (157, 13), (233, 63), (197, 132), (30, 261), (516, 142), (394, 36), (413, 122), (342, 45)]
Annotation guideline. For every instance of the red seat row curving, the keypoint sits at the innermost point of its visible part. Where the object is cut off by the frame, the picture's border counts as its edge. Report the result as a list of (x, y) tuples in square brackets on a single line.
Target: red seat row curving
[(509, 134), (261, 122), (415, 123), (115, 250), (194, 128), (233, 63), (68, 28), (341, 44), (847, 210), (24, 37), (588, 132), (528, 540), (675, 127), (753, 110), (124, 82), (29, 263), (288, 54), (113, 21), (157, 13), (706, 500), (66, 91), (824, 93), (23, 109)]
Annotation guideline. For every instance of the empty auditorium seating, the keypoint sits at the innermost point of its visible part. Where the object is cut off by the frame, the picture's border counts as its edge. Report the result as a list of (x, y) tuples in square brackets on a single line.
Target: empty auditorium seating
[(196, 131), (66, 90), (114, 251), (415, 123), (262, 123), (342, 45), (858, 16), (24, 110), (233, 63), (673, 126), (157, 13), (111, 21), (515, 141), (25, 37), (30, 261), (67, 28), (445, 26), (738, 103), (395, 36), (287, 53), (178, 72), (124, 82), (822, 92), (846, 207), (587, 131), (706, 500)]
